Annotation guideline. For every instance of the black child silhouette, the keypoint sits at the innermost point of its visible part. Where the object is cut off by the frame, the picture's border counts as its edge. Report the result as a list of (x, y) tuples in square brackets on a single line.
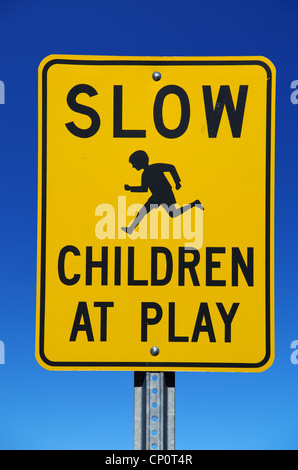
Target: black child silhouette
[(153, 178)]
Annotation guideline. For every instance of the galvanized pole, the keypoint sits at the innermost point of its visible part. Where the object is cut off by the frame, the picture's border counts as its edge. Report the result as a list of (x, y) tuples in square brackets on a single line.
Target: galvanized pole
[(154, 410)]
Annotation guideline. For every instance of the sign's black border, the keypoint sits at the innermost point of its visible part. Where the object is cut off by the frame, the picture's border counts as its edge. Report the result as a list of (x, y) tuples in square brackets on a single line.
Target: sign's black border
[(180, 365)]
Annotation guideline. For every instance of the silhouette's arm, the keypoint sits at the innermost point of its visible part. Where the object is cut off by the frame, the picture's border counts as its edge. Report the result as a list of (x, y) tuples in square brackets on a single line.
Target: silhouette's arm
[(137, 189), (171, 169)]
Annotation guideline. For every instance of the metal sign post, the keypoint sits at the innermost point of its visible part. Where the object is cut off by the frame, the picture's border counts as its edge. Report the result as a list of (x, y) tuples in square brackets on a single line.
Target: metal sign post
[(154, 410)]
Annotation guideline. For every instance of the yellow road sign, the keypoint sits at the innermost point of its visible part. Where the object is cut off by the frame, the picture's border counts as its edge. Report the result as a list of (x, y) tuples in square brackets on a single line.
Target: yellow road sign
[(156, 212)]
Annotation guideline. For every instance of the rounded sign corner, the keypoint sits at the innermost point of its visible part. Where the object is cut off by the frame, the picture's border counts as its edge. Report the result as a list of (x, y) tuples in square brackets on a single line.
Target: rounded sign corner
[(267, 363), (43, 361), (47, 62), (268, 65)]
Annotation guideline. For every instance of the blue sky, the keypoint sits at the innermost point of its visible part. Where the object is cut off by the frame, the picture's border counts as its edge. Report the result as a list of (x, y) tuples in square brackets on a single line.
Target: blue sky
[(94, 410)]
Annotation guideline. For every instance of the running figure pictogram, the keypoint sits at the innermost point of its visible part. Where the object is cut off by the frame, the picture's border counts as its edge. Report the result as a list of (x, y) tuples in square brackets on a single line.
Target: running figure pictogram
[(153, 178)]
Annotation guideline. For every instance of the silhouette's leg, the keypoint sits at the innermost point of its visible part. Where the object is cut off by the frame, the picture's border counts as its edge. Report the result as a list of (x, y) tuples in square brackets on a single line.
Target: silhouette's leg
[(140, 215), (174, 211), (198, 204)]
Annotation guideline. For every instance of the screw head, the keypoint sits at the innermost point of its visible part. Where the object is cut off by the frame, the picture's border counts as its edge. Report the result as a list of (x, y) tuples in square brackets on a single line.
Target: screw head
[(154, 351), (156, 76)]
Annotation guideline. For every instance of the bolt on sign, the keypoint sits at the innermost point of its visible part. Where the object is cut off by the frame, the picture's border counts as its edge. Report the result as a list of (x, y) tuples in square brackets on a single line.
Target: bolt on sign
[(156, 211)]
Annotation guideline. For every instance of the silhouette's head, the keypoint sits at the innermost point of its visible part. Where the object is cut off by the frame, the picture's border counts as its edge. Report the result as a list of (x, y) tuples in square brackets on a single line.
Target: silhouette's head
[(139, 159)]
